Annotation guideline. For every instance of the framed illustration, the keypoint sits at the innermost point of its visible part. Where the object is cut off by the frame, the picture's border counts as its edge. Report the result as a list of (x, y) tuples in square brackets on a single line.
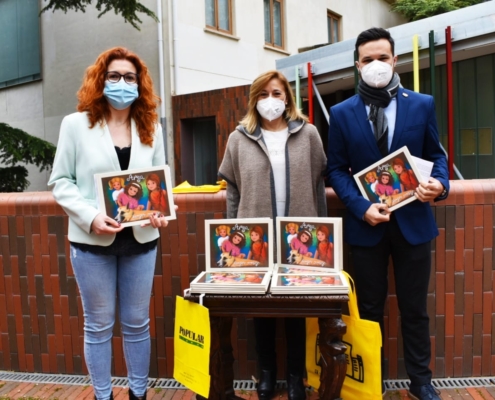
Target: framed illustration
[(309, 243), (131, 196), (393, 180), (239, 244)]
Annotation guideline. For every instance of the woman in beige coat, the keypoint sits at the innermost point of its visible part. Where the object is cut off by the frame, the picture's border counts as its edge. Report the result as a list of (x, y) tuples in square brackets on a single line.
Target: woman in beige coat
[(274, 165)]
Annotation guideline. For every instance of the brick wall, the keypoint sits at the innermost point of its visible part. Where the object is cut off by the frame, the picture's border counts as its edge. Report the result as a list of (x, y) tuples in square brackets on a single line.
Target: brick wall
[(228, 106), (41, 322)]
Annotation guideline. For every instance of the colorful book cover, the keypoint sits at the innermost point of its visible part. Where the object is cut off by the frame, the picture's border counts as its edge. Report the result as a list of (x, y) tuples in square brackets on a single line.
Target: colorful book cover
[(309, 243), (309, 280), (131, 196), (239, 244), (393, 180), (233, 278)]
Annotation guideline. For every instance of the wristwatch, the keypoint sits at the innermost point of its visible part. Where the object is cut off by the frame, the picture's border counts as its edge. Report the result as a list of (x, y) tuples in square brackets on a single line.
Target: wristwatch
[(444, 192)]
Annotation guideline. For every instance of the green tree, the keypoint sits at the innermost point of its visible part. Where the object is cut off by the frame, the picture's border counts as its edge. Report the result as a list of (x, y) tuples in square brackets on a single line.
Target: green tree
[(17, 146), (414, 10), (127, 8)]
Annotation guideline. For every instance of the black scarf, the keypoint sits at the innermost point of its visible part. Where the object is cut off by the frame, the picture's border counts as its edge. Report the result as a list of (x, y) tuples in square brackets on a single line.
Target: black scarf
[(378, 99)]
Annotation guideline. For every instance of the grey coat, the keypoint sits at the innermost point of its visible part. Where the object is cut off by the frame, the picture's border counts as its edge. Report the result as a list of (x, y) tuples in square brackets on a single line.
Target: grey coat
[(247, 169)]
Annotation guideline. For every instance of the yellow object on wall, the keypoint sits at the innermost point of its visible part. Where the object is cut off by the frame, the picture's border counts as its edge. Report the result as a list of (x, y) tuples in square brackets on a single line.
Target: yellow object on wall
[(186, 187)]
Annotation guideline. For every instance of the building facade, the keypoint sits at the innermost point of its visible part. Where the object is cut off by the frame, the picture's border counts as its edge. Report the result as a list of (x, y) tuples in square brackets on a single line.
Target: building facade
[(472, 82), (199, 47)]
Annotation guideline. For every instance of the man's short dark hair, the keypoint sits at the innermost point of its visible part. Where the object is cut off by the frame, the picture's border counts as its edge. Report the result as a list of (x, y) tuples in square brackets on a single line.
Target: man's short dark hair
[(373, 34)]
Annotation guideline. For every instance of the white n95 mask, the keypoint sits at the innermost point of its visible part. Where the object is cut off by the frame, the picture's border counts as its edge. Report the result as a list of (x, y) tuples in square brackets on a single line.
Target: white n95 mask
[(270, 108), (377, 74)]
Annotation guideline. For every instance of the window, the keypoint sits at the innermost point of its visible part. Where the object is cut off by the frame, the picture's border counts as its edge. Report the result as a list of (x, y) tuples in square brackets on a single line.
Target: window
[(20, 42), (333, 27), (485, 141), (219, 15), (199, 151), (274, 25)]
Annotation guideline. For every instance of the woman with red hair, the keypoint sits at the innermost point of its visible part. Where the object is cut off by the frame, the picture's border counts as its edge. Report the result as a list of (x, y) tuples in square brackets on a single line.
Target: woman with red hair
[(116, 113)]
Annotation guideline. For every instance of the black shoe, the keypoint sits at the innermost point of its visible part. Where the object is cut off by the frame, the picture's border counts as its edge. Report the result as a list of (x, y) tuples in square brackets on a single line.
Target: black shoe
[(132, 396), (423, 392), (111, 397), (266, 384), (295, 387)]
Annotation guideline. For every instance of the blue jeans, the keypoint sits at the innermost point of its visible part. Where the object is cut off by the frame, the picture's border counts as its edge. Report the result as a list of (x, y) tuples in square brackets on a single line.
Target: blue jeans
[(99, 278)]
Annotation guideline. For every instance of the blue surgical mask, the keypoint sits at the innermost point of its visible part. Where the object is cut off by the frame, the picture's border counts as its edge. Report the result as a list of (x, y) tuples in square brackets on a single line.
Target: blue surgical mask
[(120, 94)]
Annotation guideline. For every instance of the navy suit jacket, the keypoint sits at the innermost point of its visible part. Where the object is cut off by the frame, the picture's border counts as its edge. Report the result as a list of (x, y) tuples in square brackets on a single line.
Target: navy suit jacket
[(352, 146)]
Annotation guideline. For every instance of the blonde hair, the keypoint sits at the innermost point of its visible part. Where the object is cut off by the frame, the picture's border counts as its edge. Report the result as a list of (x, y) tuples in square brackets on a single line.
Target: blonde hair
[(368, 174), (116, 179), (291, 225), (291, 113), (225, 227)]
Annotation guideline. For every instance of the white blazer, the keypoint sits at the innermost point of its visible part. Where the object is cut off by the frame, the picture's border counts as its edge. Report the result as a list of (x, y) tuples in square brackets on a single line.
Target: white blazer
[(83, 152)]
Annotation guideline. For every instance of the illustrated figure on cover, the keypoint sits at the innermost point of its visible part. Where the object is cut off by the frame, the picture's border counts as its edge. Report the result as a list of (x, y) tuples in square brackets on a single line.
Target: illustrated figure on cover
[(130, 196), (157, 198), (223, 231), (324, 248), (406, 176), (259, 247), (117, 186)]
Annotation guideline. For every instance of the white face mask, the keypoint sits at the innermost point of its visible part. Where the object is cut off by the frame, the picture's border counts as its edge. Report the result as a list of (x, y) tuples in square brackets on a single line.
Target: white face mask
[(270, 108), (377, 74)]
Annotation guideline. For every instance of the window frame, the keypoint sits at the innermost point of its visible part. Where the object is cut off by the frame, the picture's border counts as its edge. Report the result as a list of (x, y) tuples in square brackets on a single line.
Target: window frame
[(332, 17), (27, 46), (272, 25), (217, 20)]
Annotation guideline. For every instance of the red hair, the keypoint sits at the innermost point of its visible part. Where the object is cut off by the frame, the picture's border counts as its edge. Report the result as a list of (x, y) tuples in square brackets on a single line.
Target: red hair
[(259, 230), (399, 161), (91, 98), (323, 229)]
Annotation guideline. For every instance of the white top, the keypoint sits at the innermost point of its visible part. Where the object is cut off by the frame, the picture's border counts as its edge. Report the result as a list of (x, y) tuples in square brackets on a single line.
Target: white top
[(220, 240), (391, 113), (275, 143), (290, 237), (116, 193)]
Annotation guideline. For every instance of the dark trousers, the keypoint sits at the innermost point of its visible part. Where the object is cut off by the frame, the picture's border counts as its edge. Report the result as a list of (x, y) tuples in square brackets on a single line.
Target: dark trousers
[(412, 264), (295, 338)]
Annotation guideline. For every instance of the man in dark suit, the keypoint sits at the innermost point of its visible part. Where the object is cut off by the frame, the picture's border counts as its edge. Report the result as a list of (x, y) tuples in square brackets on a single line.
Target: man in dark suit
[(382, 118)]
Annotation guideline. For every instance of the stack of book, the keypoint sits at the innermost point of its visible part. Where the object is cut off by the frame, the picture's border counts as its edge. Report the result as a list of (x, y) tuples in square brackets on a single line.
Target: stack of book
[(309, 253), (231, 282), (239, 256)]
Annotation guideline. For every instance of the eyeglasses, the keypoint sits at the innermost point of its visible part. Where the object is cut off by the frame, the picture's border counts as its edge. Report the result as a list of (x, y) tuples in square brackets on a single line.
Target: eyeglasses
[(114, 77)]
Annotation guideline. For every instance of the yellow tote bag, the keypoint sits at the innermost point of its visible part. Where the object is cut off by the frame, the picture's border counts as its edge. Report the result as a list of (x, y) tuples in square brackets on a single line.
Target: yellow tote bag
[(192, 340), (363, 340), (313, 368), (363, 355)]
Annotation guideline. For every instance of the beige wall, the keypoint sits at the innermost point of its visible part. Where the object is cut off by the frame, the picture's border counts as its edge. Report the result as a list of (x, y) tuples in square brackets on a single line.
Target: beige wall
[(207, 61)]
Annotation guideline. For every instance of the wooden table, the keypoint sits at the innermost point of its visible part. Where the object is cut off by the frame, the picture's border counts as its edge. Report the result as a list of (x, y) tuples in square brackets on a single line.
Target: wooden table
[(327, 308)]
